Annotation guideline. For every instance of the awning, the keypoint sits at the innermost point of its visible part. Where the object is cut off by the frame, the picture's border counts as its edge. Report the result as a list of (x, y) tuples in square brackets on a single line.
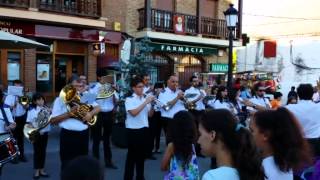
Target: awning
[(10, 41)]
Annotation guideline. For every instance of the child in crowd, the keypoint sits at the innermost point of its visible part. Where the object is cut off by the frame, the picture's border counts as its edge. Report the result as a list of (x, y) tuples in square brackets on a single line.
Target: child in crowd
[(180, 158)]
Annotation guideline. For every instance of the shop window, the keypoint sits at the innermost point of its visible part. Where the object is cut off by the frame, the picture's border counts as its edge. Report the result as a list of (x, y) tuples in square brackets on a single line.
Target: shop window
[(190, 60), (44, 73), (13, 67)]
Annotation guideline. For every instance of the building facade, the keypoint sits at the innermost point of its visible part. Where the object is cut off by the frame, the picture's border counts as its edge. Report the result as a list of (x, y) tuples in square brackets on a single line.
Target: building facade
[(69, 27), (188, 36)]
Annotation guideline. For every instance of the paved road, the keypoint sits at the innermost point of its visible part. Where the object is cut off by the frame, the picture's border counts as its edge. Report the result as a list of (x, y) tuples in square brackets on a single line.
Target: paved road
[(24, 171)]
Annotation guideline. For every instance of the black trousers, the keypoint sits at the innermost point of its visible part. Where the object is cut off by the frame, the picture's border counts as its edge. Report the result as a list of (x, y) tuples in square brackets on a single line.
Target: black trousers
[(102, 131), (39, 149), (156, 127), (18, 133), (137, 147), (165, 123), (72, 145), (315, 146)]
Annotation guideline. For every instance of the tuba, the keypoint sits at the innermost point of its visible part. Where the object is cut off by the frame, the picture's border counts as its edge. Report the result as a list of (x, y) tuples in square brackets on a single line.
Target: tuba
[(70, 97), (105, 91), (42, 121)]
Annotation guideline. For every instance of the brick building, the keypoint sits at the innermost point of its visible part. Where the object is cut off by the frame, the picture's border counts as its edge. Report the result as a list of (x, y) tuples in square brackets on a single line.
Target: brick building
[(69, 28), (188, 36)]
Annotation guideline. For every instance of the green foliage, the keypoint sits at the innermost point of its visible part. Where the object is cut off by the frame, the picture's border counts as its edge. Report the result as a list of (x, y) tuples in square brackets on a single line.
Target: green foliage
[(138, 65)]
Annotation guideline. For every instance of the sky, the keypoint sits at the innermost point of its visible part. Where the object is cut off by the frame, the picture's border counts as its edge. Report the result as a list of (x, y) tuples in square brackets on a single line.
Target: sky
[(281, 18)]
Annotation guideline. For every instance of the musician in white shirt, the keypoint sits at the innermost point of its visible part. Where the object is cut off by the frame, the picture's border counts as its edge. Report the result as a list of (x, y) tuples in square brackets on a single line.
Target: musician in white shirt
[(40, 144), (171, 96), (101, 131), (74, 134), (19, 116), (138, 108), (198, 99), (6, 121)]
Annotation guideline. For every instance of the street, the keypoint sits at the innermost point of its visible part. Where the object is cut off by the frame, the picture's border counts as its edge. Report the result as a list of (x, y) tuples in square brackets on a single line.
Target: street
[(24, 171)]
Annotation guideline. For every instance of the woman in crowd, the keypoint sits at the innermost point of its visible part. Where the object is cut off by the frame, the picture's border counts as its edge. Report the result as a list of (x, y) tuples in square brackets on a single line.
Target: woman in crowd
[(278, 134), (221, 100), (180, 158), (237, 107), (232, 145)]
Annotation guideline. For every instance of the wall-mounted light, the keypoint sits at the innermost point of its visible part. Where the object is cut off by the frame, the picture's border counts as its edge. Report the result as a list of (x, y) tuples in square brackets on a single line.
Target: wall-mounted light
[(175, 60)]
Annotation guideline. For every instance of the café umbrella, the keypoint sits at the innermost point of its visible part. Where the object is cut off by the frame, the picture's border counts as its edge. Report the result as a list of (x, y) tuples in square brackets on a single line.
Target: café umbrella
[(11, 41)]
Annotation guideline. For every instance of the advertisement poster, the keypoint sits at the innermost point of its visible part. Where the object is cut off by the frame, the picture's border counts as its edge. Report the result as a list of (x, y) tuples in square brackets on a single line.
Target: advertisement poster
[(13, 71), (43, 72), (179, 24)]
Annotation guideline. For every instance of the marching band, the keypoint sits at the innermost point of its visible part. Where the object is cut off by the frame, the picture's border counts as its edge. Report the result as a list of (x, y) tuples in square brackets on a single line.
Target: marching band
[(79, 109)]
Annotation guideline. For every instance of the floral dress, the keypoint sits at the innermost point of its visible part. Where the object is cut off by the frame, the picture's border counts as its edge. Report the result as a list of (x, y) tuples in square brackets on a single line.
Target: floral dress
[(177, 172)]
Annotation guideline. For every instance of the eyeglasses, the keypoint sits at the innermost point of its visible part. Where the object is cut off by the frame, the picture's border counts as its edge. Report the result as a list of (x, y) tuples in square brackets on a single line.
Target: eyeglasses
[(261, 90), (139, 86)]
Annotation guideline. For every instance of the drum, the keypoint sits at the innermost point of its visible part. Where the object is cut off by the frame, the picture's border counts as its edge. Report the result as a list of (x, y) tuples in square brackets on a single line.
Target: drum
[(8, 148)]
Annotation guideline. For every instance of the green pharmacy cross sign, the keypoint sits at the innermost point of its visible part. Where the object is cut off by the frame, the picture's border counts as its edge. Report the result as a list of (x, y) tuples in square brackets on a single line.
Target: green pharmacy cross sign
[(222, 68), (176, 48)]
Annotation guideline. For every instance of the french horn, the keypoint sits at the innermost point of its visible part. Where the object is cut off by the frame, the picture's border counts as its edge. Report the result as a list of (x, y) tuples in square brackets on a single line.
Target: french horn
[(32, 132), (105, 91)]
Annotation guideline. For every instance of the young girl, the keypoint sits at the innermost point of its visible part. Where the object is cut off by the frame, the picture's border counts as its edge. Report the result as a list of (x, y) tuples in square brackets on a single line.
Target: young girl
[(278, 134), (40, 145), (180, 158), (232, 145)]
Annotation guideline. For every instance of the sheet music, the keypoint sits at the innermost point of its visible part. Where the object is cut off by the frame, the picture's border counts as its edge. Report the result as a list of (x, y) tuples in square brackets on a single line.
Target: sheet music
[(15, 90)]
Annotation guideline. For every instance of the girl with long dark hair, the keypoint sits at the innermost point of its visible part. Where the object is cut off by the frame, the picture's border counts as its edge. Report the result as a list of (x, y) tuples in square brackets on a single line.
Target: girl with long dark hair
[(180, 158), (278, 134), (221, 99), (232, 145)]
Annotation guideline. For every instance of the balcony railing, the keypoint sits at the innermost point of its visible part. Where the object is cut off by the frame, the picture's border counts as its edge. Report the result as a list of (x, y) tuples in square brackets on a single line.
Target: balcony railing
[(163, 21), (88, 8), (15, 3)]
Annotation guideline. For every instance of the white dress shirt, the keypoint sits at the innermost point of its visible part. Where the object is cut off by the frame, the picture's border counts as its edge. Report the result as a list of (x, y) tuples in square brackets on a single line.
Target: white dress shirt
[(146, 89), (199, 104), (2, 121), (165, 97), (259, 101), (106, 104), (72, 124), (18, 110), (140, 120), (32, 116), (273, 172), (307, 113)]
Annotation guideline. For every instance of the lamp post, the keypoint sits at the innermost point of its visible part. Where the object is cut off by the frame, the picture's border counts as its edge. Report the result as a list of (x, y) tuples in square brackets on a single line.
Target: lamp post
[(231, 15)]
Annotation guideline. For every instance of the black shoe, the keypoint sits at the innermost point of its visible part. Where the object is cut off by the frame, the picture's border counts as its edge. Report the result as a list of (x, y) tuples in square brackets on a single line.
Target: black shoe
[(111, 166), (152, 158), (45, 175), (23, 159)]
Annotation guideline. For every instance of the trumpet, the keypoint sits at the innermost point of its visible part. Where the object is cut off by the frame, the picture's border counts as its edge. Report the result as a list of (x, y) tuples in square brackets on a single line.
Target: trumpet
[(24, 100), (188, 104), (158, 103)]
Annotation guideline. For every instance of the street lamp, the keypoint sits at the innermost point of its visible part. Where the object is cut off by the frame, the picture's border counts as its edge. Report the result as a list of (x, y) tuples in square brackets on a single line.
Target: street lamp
[(231, 19)]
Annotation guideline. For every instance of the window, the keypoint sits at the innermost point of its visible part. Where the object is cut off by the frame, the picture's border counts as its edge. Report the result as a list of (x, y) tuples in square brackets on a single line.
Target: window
[(13, 67), (44, 72)]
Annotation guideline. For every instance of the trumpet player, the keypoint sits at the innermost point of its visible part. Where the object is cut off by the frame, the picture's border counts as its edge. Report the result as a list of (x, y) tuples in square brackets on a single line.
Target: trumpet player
[(171, 96), (19, 116), (138, 109), (74, 134), (102, 129), (40, 145)]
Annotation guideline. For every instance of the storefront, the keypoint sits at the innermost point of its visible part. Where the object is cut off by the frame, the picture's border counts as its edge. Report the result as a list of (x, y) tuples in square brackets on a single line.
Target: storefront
[(184, 60), (47, 70)]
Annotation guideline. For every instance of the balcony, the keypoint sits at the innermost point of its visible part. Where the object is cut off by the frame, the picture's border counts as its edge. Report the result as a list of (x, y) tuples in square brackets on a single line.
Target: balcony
[(162, 21), (15, 3), (86, 8)]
